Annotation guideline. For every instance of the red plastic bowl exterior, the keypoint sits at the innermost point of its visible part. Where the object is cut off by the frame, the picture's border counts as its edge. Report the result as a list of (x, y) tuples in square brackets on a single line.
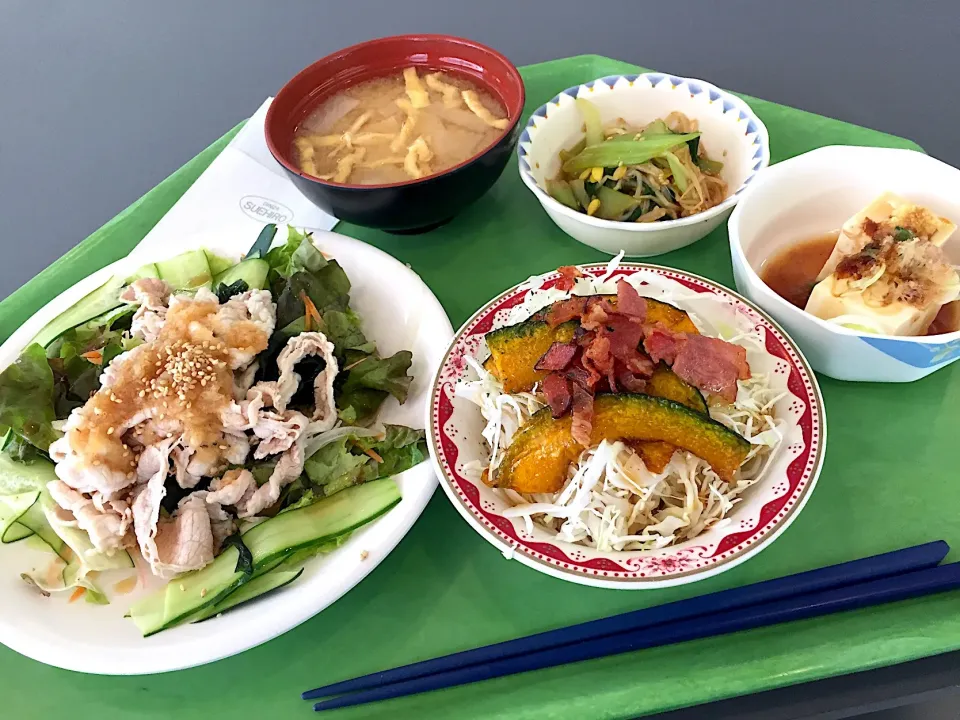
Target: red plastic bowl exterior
[(414, 204)]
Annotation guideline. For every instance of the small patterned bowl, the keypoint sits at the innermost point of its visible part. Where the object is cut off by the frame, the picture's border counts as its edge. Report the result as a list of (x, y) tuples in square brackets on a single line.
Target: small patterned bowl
[(454, 427), (813, 194), (732, 134)]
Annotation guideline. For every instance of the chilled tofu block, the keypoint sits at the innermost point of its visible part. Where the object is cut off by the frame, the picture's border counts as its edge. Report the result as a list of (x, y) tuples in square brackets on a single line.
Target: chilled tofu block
[(897, 318), (887, 273), (892, 211)]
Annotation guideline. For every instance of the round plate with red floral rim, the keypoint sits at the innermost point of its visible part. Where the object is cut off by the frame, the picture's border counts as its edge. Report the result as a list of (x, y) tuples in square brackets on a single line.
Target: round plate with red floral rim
[(615, 523)]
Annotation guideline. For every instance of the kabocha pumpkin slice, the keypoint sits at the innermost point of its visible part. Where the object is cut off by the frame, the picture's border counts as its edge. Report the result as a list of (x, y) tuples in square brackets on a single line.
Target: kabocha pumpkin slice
[(541, 452), (673, 318), (654, 453), (665, 383), (514, 350)]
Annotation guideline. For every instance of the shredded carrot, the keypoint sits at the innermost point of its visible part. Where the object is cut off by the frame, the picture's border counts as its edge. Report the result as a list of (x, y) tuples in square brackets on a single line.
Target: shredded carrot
[(94, 356), (366, 451), (77, 594), (313, 318)]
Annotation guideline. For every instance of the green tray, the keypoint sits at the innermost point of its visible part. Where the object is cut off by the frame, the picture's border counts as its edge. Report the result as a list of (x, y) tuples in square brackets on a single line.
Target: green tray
[(885, 485)]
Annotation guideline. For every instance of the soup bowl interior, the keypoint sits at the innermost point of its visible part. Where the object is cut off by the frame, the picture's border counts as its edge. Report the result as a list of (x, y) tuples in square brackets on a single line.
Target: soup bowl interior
[(414, 203), (814, 194)]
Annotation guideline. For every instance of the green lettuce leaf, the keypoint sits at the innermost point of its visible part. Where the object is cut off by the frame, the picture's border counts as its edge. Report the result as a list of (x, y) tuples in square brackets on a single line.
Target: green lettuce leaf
[(342, 328), (27, 398), (334, 466), (77, 377), (352, 460), (369, 382), (296, 255), (328, 289)]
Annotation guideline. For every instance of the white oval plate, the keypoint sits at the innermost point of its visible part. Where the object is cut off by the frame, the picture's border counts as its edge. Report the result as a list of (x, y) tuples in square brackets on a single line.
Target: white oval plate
[(399, 312), (767, 507)]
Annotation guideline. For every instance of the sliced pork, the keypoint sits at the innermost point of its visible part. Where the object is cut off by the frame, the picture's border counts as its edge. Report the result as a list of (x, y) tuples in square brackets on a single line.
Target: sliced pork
[(238, 488), (152, 295), (278, 393), (106, 522)]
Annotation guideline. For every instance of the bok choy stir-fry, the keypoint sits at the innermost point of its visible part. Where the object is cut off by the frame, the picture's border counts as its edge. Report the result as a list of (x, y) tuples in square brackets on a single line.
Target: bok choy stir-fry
[(630, 174)]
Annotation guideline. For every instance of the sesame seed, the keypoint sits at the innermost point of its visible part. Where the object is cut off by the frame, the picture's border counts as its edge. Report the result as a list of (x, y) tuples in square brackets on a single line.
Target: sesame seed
[(110, 431)]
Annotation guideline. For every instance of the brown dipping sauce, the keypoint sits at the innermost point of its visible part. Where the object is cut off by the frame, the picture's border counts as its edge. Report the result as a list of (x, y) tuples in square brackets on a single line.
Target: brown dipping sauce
[(792, 272)]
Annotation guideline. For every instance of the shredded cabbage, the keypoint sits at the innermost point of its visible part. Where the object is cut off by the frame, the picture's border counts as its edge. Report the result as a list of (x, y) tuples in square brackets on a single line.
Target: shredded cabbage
[(611, 501)]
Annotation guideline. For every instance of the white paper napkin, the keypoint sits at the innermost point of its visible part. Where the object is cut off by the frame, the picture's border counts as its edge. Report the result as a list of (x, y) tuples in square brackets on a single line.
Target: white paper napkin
[(243, 189)]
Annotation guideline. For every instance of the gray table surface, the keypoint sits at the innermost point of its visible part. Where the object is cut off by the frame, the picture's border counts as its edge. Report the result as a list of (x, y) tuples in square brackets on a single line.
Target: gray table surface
[(101, 100)]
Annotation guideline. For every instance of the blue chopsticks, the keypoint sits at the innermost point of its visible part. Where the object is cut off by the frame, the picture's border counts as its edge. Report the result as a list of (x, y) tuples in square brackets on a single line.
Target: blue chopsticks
[(872, 580), (874, 592)]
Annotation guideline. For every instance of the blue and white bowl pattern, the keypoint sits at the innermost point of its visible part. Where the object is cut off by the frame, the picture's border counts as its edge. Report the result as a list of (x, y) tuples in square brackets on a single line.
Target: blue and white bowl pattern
[(732, 134), (817, 192)]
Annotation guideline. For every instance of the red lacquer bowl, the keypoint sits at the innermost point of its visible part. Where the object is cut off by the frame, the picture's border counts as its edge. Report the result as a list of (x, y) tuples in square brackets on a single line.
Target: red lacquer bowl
[(414, 205)]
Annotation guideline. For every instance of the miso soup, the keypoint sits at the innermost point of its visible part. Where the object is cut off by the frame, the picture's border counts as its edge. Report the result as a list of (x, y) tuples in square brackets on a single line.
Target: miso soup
[(397, 128)]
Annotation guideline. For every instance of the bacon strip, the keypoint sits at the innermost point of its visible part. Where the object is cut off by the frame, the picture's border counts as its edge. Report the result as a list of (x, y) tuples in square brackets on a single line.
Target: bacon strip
[(557, 357), (630, 382), (630, 303), (565, 310), (557, 389), (710, 364), (568, 277), (582, 415), (662, 344)]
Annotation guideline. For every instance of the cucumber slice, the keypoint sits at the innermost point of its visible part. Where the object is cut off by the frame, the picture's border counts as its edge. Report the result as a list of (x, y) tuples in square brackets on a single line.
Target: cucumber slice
[(270, 541), (144, 271), (256, 587), (320, 522), (12, 508), (218, 264), (184, 596), (103, 299), (253, 272), (25, 517), (17, 477), (187, 271)]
